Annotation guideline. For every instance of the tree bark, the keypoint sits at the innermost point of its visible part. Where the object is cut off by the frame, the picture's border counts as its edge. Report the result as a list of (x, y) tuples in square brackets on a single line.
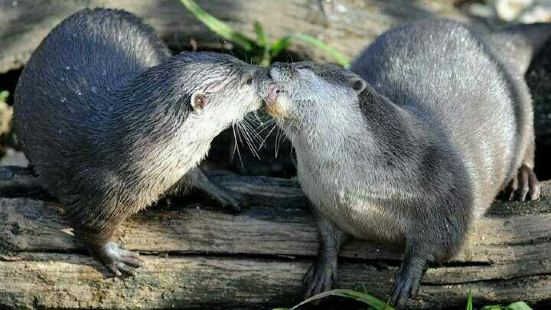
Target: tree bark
[(347, 25), (199, 256)]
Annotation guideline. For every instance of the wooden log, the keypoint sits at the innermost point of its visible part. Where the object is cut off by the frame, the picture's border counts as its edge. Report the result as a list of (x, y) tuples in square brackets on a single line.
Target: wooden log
[(199, 256), (347, 25)]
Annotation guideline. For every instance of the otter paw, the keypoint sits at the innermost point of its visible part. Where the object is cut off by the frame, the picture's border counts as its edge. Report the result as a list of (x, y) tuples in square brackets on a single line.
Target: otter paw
[(524, 186), (319, 279), (406, 284), (234, 204), (119, 261)]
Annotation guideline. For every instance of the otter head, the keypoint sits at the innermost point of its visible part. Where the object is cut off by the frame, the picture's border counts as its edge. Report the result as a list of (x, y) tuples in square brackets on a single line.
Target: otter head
[(303, 96), (220, 87)]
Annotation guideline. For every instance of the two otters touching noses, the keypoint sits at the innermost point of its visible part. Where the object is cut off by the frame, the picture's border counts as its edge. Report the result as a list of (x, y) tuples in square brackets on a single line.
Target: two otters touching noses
[(408, 147)]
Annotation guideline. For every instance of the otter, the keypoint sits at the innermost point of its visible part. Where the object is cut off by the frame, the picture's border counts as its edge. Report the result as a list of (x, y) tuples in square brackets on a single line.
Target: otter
[(110, 121), (409, 146)]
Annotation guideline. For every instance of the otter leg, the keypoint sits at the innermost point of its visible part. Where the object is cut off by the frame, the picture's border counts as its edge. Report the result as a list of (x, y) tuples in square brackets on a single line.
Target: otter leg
[(118, 260), (197, 178), (323, 272), (408, 277), (524, 185), (94, 226)]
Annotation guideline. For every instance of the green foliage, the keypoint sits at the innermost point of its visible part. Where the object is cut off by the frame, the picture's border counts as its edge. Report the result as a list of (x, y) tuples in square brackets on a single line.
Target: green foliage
[(4, 95), (369, 300), (469, 301), (263, 51), (519, 305), (374, 303)]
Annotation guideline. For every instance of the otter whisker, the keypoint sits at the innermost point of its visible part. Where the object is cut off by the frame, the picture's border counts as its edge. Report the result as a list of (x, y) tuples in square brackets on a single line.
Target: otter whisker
[(265, 126), (248, 138), (279, 138), (236, 147), (249, 122), (268, 134)]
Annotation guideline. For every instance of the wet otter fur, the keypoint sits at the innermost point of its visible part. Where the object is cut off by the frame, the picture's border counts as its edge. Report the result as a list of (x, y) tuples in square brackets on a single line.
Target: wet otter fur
[(410, 146), (110, 121)]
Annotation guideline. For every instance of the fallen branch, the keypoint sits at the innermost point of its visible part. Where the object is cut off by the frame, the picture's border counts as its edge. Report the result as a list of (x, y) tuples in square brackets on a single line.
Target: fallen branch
[(199, 256)]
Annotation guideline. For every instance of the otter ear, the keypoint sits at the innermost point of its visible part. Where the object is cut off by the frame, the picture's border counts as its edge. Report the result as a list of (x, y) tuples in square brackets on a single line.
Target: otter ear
[(198, 101), (358, 84)]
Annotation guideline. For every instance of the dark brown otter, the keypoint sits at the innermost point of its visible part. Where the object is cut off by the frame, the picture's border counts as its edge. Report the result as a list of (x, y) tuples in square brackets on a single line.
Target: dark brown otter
[(110, 120)]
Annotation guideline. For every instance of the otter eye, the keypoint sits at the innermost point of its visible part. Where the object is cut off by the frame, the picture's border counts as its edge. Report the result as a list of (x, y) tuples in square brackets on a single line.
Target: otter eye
[(247, 79)]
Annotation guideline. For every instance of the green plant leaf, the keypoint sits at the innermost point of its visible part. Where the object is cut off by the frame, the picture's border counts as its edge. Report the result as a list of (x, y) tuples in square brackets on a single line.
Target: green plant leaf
[(261, 37), (338, 56), (262, 42), (351, 294), (218, 26), (492, 307), (519, 305), (4, 95), (280, 45), (469, 301)]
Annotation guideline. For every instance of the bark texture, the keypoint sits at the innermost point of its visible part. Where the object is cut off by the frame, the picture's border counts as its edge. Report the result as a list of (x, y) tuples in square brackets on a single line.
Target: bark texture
[(197, 255)]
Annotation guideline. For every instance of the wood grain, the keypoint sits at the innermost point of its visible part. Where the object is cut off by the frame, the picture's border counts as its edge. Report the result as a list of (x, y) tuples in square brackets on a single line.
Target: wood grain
[(256, 258)]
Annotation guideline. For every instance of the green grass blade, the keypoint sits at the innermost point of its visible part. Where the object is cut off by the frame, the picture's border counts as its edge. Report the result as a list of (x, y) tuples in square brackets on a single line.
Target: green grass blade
[(338, 56), (261, 37), (218, 26), (262, 41), (469, 302), (280, 45), (4, 95), (351, 294), (519, 305)]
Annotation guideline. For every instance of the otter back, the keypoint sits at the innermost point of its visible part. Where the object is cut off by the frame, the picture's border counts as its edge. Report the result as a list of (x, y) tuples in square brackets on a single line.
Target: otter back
[(444, 74), (72, 73)]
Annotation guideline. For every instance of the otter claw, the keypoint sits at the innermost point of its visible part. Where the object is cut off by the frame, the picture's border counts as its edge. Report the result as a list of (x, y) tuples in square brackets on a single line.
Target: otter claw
[(119, 268), (319, 279), (234, 204), (132, 259), (407, 281), (227, 201), (524, 186), (119, 261)]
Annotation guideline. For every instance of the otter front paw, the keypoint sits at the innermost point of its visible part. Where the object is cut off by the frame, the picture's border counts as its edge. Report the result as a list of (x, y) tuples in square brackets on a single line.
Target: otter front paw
[(407, 281), (228, 201), (117, 260), (319, 279), (524, 186)]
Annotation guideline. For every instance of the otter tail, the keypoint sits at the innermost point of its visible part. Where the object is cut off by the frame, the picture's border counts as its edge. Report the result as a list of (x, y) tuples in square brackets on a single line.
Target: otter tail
[(518, 44)]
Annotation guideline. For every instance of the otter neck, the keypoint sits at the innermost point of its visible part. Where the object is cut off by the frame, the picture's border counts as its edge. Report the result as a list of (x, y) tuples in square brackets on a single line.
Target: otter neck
[(373, 131), (156, 105), (154, 122)]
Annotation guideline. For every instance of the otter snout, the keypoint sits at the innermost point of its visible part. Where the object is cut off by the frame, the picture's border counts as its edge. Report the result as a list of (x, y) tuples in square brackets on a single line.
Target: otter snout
[(272, 93), (271, 85), (274, 104)]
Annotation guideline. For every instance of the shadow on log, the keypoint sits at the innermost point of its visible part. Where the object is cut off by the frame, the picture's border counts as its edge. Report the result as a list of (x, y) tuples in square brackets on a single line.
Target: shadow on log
[(197, 256)]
